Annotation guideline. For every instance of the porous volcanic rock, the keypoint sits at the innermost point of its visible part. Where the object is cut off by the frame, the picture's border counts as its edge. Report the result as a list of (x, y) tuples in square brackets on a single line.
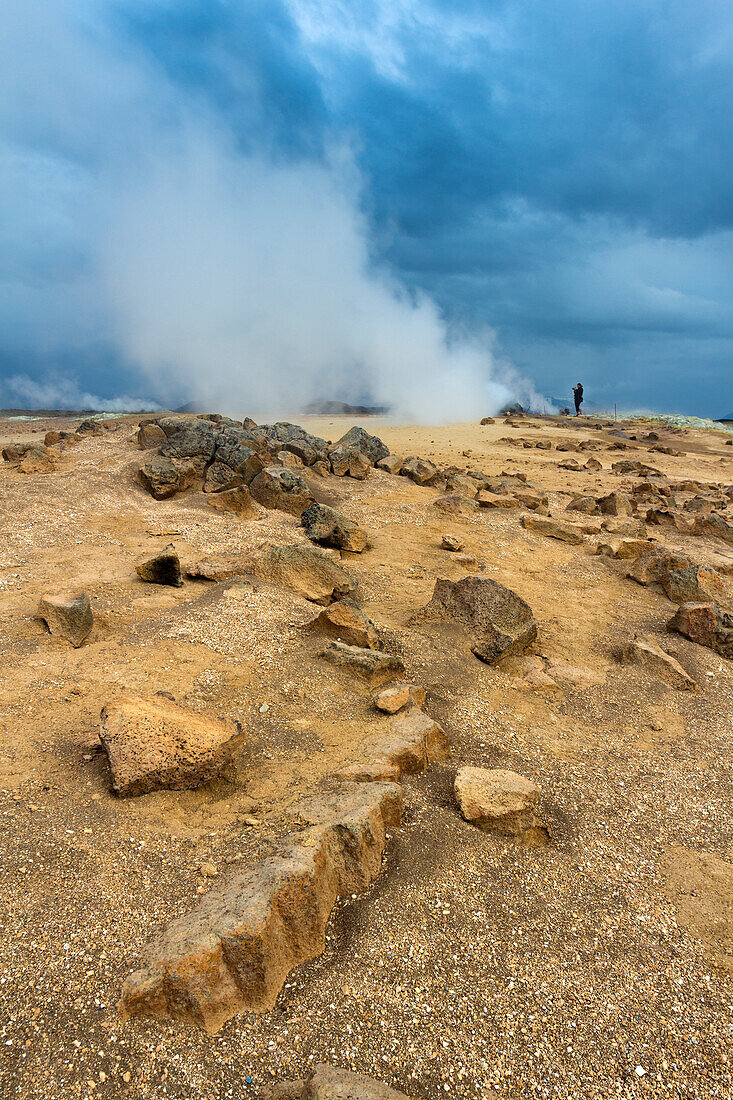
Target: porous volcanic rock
[(68, 617), (163, 568), (715, 525), (496, 800), (645, 652), (162, 477), (154, 743), (420, 470), (587, 505), (552, 528), (150, 435), (306, 570), (651, 566), (371, 446), (615, 504), (391, 464), (277, 487), (452, 543), (233, 952), (707, 624), (346, 621), (496, 620), (328, 527), (371, 665)]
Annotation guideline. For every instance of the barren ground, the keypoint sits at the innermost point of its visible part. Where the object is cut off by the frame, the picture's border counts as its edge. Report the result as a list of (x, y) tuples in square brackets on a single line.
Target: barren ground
[(598, 966)]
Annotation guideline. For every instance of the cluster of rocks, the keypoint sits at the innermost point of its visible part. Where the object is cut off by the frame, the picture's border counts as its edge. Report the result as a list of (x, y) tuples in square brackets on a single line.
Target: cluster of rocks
[(219, 455), (37, 458)]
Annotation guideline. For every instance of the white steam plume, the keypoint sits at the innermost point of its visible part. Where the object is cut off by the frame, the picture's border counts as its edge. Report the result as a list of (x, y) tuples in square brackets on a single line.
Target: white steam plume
[(249, 286)]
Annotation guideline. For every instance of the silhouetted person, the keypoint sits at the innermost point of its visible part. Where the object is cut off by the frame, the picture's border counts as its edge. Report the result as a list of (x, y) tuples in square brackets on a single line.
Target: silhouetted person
[(578, 395)]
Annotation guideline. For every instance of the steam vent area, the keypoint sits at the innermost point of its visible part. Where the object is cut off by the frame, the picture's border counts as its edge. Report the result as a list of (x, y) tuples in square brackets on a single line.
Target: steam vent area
[(344, 760)]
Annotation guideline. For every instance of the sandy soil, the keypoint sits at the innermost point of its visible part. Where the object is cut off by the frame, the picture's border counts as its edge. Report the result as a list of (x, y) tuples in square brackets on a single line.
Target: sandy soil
[(598, 966)]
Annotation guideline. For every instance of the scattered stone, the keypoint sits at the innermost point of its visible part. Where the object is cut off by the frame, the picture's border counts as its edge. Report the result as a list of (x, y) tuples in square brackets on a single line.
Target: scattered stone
[(68, 617), (496, 800), (694, 584), (452, 543), (615, 504), (217, 569), (238, 500), (328, 527), (345, 620), (420, 470), (163, 568), (497, 620), (533, 499), (651, 566), (486, 420), (90, 426), (569, 464), (349, 462), (593, 464), (232, 953), (645, 652), (633, 466), (587, 505), (707, 624), (153, 744), (623, 548), (277, 487), (715, 525), (391, 464), (371, 446), (455, 504), (396, 696), (306, 570), (372, 665), (150, 435), (553, 528), (486, 499), (414, 741)]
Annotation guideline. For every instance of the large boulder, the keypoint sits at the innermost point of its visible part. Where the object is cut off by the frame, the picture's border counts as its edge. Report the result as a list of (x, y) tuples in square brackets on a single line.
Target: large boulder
[(707, 624), (195, 440), (162, 477), (280, 488), (163, 568), (68, 617), (291, 437), (150, 435), (311, 573), (495, 619), (233, 952), (369, 445), (153, 743), (615, 504), (497, 800), (328, 527)]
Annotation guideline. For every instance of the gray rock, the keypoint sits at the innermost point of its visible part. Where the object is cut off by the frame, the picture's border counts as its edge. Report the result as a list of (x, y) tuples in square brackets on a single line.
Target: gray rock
[(371, 665), (278, 487), (150, 435), (369, 445), (495, 619), (349, 462), (328, 527)]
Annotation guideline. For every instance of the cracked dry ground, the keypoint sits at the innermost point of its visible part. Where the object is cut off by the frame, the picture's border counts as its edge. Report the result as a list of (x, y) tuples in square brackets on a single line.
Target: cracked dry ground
[(598, 966)]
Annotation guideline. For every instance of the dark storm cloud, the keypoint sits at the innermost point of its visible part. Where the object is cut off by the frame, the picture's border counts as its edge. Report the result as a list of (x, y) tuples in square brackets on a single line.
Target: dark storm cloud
[(559, 172)]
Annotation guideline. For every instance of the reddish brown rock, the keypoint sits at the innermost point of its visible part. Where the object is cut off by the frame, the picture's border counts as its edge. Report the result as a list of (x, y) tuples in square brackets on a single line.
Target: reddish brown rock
[(707, 624)]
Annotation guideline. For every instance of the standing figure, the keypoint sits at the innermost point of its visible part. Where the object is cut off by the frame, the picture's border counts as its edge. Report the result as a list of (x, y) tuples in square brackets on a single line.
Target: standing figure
[(578, 395)]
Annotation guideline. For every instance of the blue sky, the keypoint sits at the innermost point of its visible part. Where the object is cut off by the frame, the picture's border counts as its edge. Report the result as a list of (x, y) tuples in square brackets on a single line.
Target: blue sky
[(550, 180)]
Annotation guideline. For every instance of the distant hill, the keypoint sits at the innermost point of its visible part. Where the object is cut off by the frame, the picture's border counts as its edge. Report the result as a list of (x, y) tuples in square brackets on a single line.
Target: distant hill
[(339, 408), (726, 419)]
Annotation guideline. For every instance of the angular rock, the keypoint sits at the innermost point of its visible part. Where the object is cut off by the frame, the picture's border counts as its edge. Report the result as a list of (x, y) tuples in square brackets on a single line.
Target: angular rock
[(218, 568), (279, 488), (615, 504), (486, 420), (553, 528), (369, 445), (707, 624), (715, 525), (455, 504), (90, 426), (533, 499), (624, 525), (305, 570), (420, 470), (345, 620), (569, 464), (495, 619), (592, 464), (161, 477), (37, 460), (371, 665), (150, 435), (153, 743), (238, 500), (633, 466), (193, 439), (645, 652), (396, 696), (392, 464), (496, 800), (348, 462), (452, 543), (68, 617), (414, 731), (695, 584), (486, 499), (651, 566), (233, 952), (623, 548), (328, 527), (587, 505), (163, 568)]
